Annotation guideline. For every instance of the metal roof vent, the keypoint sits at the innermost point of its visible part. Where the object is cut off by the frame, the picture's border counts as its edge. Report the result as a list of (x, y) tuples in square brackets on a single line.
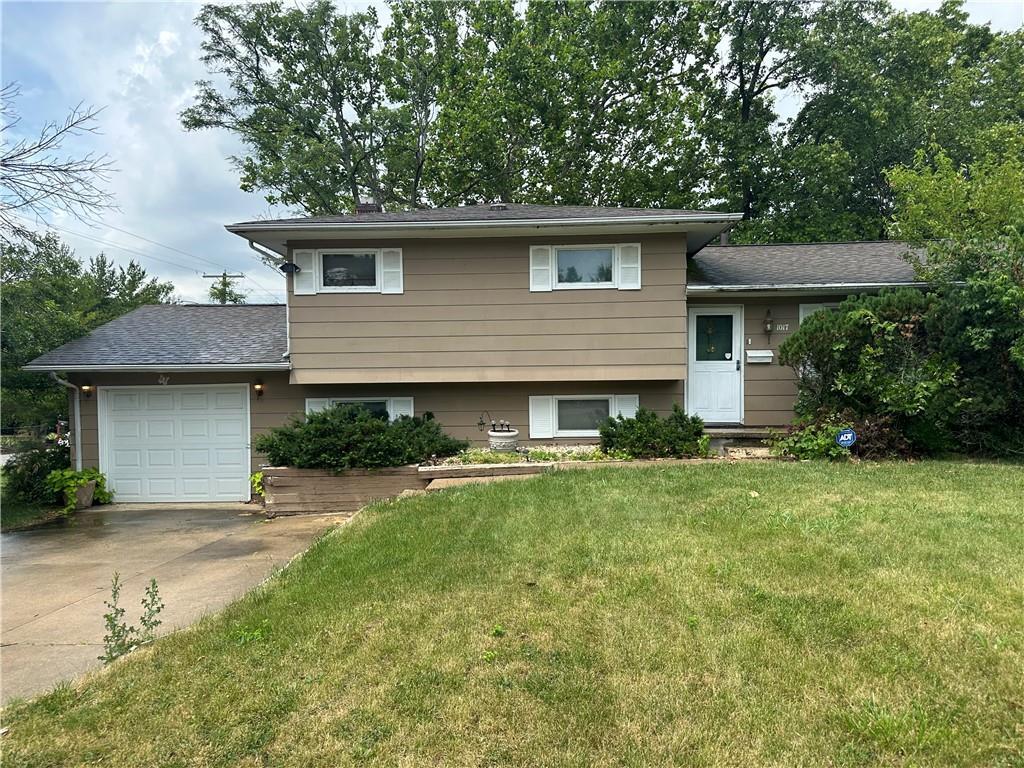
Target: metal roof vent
[(369, 208), (499, 206)]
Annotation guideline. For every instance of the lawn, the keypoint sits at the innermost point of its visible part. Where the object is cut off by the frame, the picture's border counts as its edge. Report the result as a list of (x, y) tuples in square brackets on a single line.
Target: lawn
[(750, 614)]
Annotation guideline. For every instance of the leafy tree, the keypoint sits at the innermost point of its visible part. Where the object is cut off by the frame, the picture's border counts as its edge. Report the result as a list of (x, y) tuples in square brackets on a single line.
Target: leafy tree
[(223, 291), (49, 298)]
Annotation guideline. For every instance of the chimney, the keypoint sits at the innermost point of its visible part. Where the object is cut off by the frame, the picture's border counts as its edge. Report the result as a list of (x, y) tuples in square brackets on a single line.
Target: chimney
[(369, 208)]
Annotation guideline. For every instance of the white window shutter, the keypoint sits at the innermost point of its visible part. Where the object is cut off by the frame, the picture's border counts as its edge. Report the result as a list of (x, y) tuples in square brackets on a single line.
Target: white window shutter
[(314, 404), (391, 280), (629, 266), (304, 282), (400, 406), (626, 406), (540, 268), (542, 417)]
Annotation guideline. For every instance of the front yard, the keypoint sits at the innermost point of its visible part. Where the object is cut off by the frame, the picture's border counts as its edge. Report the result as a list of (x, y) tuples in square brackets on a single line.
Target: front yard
[(719, 614)]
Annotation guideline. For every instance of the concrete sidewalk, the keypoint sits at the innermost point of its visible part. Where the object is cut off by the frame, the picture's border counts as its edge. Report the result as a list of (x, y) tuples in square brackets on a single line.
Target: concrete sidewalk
[(56, 579)]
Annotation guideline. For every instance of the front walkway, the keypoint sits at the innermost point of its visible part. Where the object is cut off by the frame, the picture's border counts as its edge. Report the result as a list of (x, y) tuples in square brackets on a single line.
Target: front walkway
[(55, 579)]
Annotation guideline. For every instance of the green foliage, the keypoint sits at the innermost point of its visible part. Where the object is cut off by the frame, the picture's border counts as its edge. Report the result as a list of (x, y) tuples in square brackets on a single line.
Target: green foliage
[(647, 436), (540, 453), (223, 291), (50, 297), (256, 483), (122, 638), (26, 475), (350, 436), (65, 482), (812, 441)]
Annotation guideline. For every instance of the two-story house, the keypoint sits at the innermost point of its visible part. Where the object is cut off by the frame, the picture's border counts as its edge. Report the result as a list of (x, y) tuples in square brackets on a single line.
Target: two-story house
[(550, 317)]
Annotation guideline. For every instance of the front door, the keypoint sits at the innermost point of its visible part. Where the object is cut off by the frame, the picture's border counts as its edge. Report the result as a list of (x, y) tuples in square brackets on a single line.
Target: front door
[(715, 366)]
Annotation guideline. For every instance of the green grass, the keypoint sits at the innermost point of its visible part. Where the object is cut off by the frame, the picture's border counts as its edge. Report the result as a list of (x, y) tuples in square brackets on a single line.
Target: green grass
[(751, 614)]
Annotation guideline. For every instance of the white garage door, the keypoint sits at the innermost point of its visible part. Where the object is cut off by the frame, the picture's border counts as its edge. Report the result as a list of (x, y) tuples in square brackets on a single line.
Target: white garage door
[(175, 443)]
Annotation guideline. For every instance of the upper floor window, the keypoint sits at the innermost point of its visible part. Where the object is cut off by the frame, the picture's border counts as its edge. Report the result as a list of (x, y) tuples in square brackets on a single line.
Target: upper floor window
[(348, 270), (560, 267)]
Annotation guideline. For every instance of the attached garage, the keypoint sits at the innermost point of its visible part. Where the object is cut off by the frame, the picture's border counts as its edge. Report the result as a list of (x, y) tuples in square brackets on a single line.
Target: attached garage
[(175, 443)]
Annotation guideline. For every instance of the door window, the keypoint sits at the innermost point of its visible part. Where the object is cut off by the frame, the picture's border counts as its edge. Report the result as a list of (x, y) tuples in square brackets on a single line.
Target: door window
[(714, 338)]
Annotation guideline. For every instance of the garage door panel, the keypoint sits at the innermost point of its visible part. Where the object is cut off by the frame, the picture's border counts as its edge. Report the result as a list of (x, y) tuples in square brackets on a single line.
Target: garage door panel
[(227, 428), (126, 429), (159, 428), (160, 457), (176, 444), (163, 401)]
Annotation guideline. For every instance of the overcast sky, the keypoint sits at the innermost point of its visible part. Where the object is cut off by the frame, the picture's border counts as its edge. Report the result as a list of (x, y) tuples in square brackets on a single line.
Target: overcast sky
[(139, 61)]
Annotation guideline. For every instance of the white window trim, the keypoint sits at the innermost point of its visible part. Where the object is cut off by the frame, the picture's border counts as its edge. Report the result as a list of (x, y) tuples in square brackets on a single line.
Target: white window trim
[(806, 310), (378, 262), (389, 403), (555, 285), (556, 399)]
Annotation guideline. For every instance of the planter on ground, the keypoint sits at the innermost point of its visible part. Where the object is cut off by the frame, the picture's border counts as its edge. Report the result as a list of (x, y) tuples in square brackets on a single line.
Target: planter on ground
[(291, 491), (84, 495)]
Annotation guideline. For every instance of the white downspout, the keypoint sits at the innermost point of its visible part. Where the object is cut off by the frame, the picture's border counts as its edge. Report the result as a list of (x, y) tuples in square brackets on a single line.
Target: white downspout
[(78, 418), (287, 311)]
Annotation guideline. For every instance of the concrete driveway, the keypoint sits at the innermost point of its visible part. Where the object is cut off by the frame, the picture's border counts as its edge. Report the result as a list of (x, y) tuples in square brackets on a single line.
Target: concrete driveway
[(55, 579)]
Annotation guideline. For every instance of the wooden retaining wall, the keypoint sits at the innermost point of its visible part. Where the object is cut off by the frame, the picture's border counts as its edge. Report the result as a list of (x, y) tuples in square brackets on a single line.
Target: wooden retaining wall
[(291, 491)]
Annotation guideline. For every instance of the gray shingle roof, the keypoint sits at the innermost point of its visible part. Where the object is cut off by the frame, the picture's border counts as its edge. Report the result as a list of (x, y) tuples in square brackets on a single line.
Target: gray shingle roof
[(179, 335), (864, 263), (511, 212)]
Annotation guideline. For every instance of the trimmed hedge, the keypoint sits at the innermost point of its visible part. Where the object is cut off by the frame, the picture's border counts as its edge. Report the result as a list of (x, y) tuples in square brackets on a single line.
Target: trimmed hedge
[(648, 437), (351, 437)]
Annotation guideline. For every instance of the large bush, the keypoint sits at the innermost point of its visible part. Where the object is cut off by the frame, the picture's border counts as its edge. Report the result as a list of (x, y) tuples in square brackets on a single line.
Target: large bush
[(923, 373), (646, 436), (349, 436), (25, 474)]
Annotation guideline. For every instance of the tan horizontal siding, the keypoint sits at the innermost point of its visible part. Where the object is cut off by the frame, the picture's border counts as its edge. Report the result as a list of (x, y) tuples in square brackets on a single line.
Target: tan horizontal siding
[(566, 373), (457, 407), (467, 305)]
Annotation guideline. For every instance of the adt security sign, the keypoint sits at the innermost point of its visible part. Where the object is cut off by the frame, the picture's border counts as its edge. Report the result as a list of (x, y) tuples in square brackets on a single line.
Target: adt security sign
[(846, 437)]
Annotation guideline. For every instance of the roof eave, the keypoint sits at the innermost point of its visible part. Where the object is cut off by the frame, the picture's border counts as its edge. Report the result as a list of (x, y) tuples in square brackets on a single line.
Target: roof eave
[(802, 287), (162, 368), (708, 218)]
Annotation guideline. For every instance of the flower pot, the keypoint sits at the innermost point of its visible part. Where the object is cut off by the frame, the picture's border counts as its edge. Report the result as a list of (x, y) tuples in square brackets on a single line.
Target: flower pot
[(504, 440), (84, 494)]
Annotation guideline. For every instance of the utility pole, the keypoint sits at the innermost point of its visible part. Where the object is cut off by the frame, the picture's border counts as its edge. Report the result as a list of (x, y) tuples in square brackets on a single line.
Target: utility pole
[(222, 290)]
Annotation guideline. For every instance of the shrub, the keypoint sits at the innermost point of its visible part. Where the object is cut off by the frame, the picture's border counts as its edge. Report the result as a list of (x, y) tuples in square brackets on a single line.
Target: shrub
[(811, 440), (25, 474), (66, 482), (646, 436), (350, 436), (922, 373)]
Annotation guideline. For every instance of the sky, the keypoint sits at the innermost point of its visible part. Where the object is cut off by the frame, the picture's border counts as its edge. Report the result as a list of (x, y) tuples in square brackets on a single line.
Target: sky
[(139, 61)]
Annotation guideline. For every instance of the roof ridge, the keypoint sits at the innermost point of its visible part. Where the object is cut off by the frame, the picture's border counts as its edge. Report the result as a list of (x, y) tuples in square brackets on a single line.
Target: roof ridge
[(816, 242)]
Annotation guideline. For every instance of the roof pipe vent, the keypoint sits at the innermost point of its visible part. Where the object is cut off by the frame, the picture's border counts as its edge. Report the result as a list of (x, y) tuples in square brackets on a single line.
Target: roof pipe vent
[(499, 206), (369, 208)]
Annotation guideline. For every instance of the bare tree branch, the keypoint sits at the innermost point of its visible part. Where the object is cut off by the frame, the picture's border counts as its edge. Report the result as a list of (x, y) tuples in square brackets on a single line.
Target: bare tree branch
[(38, 180)]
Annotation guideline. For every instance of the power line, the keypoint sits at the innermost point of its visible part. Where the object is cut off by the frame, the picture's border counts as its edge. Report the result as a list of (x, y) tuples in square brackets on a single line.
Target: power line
[(126, 249)]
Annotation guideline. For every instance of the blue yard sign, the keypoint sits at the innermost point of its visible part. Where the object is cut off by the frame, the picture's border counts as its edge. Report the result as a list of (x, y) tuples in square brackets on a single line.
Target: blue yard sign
[(846, 437)]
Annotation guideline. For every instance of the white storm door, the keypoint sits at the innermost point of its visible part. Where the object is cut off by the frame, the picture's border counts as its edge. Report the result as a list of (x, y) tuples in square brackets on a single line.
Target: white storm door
[(175, 443), (715, 342)]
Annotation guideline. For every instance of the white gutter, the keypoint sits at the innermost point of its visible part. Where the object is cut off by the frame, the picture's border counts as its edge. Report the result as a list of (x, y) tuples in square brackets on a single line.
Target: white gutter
[(279, 259), (163, 368), (709, 218), (78, 418), (800, 287)]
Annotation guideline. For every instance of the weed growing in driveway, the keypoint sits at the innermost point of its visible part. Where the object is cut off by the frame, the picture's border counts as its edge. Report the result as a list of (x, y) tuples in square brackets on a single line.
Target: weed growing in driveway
[(121, 637)]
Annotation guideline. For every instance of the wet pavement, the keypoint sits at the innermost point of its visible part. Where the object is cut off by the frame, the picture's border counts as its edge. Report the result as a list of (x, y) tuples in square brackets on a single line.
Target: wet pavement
[(55, 579)]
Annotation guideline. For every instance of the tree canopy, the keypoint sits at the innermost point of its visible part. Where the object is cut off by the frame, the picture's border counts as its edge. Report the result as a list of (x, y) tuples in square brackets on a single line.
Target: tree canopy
[(664, 104)]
